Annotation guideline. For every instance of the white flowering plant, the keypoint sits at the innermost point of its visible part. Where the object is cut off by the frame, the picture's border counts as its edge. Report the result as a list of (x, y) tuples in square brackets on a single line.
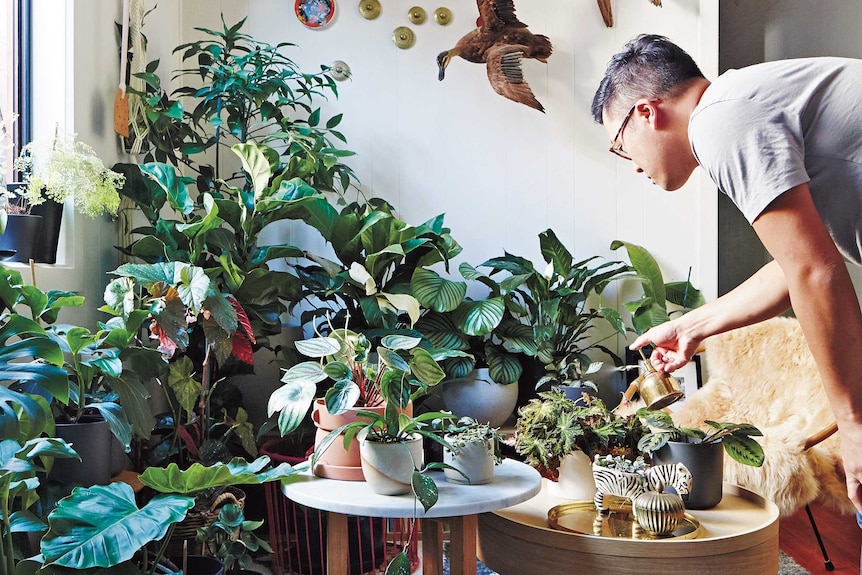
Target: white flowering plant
[(66, 169)]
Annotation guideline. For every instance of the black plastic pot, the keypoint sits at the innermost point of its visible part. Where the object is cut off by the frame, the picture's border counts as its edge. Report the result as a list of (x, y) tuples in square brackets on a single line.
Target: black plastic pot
[(91, 438), (21, 237), (49, 237), (706, 463)]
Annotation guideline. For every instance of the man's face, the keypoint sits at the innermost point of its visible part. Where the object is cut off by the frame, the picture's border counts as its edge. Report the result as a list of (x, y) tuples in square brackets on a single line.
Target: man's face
[(645, 136)]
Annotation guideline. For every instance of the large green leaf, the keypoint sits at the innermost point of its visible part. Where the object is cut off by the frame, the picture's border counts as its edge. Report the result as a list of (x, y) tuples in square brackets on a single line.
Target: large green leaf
[(745, 450), (442, 332), (425, 369), (255, 164), (503, 367), (554, 252), (134, 399), (197, 477), (479, 317), (174, 186), (424, 489), (646, 267), (102, 526), (291, 401), (435, 292)]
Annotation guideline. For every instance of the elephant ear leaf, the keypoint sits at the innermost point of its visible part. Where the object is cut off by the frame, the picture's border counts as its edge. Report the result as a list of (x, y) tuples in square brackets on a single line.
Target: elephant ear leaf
[(102, 526)]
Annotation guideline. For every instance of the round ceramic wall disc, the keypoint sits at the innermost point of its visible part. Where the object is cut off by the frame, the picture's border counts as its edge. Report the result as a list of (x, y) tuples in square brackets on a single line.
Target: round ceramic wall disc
[(403, 37), (370, 9), (416, 15), (340, 70), (443, 16)]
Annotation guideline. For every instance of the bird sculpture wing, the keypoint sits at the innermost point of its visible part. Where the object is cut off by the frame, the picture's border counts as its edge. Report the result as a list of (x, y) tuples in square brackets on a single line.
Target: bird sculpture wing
[(506, 76), (496, 14), (607, 13)]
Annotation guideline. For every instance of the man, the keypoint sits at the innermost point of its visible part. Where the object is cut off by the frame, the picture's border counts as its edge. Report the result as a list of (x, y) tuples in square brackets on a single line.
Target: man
[(784, 141)]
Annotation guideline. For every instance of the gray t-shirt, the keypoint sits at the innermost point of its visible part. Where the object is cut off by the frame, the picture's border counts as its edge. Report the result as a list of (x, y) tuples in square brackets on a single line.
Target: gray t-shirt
[(764, 129)]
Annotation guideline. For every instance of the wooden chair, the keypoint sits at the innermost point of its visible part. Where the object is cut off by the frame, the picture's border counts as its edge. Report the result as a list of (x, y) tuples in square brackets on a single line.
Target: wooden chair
[(765, 375)]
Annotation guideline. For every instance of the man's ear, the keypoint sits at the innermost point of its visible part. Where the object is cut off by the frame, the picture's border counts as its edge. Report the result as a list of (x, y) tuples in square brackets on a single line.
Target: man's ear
[(648, 110)]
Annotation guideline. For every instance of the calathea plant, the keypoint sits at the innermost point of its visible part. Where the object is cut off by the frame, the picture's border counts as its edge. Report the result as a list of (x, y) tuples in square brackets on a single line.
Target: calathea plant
[(473, 332)]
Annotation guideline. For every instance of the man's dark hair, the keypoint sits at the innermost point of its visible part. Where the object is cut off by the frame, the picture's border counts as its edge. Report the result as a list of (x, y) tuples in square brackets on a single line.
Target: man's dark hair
[(650, 66)]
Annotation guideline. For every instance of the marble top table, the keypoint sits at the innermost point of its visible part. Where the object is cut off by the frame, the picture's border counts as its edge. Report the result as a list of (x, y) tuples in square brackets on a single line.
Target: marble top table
[(458, 505)]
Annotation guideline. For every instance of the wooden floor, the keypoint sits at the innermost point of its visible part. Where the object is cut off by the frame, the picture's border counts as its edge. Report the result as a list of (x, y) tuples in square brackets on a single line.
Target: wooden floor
[(841, 535)]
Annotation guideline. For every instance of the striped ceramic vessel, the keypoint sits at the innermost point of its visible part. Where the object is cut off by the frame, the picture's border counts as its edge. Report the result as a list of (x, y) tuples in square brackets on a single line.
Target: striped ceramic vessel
[(658, 513)]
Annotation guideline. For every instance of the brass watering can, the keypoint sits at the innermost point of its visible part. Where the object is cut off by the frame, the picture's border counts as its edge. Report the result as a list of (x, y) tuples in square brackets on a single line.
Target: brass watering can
[(657, 389)]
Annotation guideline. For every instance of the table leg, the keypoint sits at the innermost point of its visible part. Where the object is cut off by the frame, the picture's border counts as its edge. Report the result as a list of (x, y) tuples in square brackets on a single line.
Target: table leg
[(432, 546), (336, 544), (462, 544)]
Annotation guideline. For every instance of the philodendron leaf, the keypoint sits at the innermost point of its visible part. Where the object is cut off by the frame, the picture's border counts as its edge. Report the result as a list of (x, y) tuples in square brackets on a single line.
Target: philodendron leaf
[(424, 489), (197, 477), (318, 346), (102, 526), (291, 401), (435, 292), (646, 266), (745, 450)]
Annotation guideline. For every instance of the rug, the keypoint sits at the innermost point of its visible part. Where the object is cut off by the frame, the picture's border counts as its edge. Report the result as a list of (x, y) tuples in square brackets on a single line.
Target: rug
[(786, 565)]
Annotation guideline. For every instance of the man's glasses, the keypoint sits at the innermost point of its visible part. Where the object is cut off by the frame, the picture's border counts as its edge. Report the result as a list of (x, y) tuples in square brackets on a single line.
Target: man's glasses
[(616, 143)]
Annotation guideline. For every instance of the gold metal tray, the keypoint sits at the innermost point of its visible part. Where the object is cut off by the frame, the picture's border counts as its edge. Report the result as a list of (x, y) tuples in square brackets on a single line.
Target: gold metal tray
[(582, 517)]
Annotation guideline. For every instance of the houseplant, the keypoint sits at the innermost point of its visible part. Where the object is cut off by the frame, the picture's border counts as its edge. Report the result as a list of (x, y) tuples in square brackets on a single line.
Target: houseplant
[(474, 449), (557, 306), (555, 433), (701, 451), (54, 172), (173, 300), (232, 539), (400, 372), (652, 309), (478, 341), (371, 281)]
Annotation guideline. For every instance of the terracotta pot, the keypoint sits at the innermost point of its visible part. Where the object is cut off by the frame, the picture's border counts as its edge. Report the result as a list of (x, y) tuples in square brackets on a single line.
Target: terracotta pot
[(475, 461), (388, 467), (336, 462)]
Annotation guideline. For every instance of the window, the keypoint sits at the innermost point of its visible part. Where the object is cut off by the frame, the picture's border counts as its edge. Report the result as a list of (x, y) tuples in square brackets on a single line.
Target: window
[(14, 78)]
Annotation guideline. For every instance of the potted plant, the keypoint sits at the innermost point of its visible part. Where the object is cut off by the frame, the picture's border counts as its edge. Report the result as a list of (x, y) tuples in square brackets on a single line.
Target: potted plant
[(473, 451), (232, 539), (557, 305), (478, 341), (55, 172), (107, 517), (626, 478), (560, 438), (401, 371), (174, 300), (701, 451)]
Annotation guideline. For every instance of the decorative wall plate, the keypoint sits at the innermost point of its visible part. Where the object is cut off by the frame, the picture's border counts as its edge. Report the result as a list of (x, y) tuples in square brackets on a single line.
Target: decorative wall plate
[(416, 15), (443, 16), (370, 9), (403, 37), (314, 13)]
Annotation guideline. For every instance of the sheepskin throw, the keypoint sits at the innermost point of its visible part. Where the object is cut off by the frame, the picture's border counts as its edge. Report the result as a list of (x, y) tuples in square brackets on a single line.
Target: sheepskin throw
[(764, 374)]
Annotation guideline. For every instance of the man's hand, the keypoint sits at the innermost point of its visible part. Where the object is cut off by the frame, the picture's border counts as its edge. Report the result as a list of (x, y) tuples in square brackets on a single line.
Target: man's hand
[(851, 453), (672, 347)]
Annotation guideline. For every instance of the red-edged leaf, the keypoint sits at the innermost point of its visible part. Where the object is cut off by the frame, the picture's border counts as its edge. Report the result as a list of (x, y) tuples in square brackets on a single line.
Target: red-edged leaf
[(166, 344), (187, 438), (242, 348), (242, 320)]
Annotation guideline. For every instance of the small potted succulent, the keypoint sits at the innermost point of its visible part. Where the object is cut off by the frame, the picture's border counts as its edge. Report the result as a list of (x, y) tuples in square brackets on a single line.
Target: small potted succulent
[(473, 450)]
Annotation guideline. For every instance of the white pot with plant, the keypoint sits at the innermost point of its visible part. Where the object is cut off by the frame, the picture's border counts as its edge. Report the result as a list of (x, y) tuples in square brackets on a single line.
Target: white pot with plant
[(474, 450)]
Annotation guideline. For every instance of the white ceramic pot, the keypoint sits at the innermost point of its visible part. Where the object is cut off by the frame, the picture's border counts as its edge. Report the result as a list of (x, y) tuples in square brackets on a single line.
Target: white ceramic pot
[(480, 397), (475, 460), (576, 478), (388, 467)]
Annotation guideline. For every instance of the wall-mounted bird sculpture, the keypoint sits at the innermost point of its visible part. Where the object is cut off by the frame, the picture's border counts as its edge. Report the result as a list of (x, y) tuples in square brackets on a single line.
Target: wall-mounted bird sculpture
[(501, 41), (607, 12)]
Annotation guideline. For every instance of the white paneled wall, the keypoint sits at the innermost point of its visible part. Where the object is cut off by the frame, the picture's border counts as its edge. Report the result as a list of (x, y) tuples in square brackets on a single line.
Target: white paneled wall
[(501, 172)]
